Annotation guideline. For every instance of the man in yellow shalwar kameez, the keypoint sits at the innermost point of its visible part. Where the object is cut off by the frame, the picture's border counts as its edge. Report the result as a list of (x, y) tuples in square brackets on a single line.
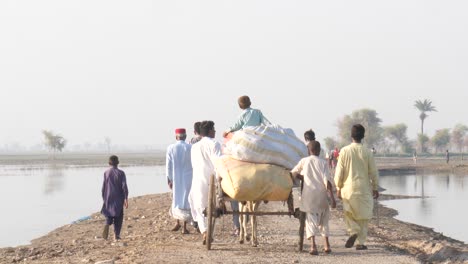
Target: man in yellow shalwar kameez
[(356, 179)]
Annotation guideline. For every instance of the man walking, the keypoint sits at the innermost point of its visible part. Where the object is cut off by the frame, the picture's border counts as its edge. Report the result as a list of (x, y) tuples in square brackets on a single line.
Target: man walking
[(356, 174), (196, 131), (179, 179), (203, 155)]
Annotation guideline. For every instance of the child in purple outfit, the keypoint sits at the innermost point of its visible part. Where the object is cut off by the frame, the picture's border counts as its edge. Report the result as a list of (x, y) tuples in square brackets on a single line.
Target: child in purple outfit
[(115, 197)]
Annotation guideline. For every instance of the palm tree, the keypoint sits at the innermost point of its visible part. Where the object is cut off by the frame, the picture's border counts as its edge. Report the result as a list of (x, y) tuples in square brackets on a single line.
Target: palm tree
[(423, 107)]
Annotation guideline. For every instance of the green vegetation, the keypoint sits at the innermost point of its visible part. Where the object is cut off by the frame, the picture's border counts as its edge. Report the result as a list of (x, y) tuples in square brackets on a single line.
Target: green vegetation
[(441, 139), (393, 140), (423, 107), (54, 142), (366, 117)]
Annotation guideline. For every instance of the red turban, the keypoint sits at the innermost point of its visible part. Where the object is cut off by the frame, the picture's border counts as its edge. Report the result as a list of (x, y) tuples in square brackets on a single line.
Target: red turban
[(180, 131)]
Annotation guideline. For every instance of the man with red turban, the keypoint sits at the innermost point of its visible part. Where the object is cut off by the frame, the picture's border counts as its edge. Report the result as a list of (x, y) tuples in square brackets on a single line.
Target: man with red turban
[(179, 178)]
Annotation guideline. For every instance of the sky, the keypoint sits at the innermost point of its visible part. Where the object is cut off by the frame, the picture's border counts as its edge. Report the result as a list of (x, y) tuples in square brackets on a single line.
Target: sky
[(134, 71)]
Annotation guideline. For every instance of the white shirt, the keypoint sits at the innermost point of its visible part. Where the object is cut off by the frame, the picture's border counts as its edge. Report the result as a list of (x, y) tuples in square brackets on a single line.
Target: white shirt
[(204, 152), (316, 174), (179, 172)]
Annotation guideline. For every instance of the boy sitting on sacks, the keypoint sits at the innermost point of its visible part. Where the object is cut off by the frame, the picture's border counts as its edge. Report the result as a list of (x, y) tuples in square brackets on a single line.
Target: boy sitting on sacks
[(317, 182), (248, 117)]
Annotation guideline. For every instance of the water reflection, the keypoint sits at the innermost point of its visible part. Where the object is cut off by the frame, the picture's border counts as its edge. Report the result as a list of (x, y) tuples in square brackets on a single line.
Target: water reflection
[(50, 194), (54, 182), (422, 186), (442, 197)]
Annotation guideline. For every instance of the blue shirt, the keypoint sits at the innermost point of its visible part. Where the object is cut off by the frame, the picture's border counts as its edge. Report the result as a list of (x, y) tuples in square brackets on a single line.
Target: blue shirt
[(249, 117)]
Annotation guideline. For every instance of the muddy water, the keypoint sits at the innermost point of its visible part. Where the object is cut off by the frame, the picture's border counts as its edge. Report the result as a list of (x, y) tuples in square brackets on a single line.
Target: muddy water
[(36, 200), (444, 206)]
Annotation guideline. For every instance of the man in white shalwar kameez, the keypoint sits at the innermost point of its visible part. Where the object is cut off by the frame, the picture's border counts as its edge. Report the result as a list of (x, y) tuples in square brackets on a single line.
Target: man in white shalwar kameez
[(204, 153), (195, 139), (314, 201), (179, 179), (356, 179)]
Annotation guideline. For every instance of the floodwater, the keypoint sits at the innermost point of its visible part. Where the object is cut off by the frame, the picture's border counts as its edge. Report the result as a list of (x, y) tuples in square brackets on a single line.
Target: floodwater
[(443, 206), (36, 200)]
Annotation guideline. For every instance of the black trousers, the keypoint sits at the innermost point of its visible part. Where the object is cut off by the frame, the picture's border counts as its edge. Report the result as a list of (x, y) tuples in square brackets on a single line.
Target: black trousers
[(117, 221)]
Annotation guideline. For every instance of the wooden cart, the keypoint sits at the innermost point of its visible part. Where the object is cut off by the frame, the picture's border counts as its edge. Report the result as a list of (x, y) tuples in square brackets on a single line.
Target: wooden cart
[(216, 208)]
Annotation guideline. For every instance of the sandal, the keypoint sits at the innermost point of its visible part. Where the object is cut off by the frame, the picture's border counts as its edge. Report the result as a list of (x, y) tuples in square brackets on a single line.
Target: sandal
[(204, 240), (185, 231), (350, 241), (361, 247), (176, 228), (327, 250), (313, 252)]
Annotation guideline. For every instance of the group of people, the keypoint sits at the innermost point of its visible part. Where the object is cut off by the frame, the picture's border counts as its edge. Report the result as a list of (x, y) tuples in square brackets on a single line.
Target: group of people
[(356, 182), (332, 158), (189, 166)]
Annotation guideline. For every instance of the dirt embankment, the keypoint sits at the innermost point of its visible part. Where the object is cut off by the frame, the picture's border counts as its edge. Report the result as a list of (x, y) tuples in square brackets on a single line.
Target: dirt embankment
[(147, 239), (422, 165)]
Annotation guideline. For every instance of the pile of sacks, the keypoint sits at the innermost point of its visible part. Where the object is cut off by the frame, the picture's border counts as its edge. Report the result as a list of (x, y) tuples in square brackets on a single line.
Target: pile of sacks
[(257, 161)]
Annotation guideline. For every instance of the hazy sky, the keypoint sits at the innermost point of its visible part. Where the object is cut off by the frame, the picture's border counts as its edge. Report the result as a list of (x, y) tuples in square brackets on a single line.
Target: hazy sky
[(135, 70)]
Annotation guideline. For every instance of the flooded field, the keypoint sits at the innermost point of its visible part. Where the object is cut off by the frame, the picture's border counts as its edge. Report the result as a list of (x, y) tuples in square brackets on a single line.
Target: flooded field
[(38, 199), (443, 206)]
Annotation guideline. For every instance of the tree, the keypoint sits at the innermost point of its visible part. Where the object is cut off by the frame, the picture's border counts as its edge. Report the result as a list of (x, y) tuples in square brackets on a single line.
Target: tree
[(397, 133), (53, 142), (330, 143), (423, 107), (465, 144), (441, 139), (422, 140), (366, 117), (458, 136)]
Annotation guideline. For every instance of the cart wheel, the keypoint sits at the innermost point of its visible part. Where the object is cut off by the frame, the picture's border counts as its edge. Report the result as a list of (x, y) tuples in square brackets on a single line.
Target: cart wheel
[(211, 211), (302, 217)]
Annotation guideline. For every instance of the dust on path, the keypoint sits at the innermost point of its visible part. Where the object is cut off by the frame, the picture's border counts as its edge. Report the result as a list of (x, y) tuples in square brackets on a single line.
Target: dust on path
[(146, 239)]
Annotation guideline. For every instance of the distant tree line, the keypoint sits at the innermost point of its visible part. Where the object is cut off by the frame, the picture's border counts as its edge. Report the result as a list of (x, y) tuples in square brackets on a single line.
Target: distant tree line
[(394, 139)]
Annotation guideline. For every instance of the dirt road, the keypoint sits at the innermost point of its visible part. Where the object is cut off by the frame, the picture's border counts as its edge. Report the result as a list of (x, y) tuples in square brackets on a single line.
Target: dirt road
[(147, 239)]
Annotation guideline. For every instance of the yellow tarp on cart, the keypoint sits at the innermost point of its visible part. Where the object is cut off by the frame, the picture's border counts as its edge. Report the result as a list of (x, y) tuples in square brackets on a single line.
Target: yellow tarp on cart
[(245, 181)]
